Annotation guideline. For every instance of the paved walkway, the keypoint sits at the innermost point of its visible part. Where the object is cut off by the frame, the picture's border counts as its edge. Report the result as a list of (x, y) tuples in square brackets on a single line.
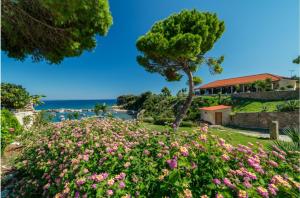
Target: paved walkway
[(251, 133)]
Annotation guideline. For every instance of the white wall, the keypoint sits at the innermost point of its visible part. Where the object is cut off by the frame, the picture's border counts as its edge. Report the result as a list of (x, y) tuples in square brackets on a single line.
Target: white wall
[(209, 116), (285, 82), (21, 115)]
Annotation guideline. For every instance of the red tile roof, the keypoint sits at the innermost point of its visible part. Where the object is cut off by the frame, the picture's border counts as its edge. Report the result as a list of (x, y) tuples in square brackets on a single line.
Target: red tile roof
[(213, 108), (240, 80)]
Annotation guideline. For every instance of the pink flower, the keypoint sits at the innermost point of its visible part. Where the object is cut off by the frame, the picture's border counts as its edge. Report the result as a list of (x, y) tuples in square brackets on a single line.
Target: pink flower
[(274, 164), (86, 157), (111, 182), (272, 189), (225, 157), (263, 192), (146, 152), (216, 181), (109, 192), (228, 183), (219, 195), (184, 151), (122, 185), (247, 184), (94, 186), (172, 163)]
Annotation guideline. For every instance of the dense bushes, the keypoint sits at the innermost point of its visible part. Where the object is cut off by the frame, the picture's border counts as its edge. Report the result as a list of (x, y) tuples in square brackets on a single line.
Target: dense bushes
[(163, 107), (111, 158), (10, 127)]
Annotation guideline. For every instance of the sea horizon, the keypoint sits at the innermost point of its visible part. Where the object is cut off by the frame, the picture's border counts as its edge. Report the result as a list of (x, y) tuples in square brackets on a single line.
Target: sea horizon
[(74, 104)]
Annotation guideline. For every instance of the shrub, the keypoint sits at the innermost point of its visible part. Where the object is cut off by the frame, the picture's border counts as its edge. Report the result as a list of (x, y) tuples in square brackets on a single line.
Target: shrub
[(291, 105), (264, 108), (10, 128), (187, 124), (148, 120), (289, 86), (163, 121), (102, 158), (282, 88)]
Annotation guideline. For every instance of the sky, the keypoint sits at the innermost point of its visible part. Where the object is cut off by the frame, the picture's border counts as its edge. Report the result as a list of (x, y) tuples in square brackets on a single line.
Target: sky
[(261, 36)]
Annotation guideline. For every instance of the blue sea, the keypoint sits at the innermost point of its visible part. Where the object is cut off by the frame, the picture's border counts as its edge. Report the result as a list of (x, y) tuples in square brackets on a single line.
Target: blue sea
[(77, 105)]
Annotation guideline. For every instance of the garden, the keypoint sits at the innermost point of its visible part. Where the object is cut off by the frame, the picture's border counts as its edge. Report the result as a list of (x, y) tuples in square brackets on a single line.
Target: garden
[(115, 158)]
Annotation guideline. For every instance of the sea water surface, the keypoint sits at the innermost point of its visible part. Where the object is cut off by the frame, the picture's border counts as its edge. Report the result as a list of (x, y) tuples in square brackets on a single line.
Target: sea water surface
[(79, 105)]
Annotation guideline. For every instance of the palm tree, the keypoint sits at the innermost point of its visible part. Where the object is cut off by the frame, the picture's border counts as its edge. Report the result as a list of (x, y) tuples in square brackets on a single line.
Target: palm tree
[(294, 134)]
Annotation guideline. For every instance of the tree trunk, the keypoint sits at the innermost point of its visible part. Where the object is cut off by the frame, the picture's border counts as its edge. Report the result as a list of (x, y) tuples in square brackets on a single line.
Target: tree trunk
[(187, 103)]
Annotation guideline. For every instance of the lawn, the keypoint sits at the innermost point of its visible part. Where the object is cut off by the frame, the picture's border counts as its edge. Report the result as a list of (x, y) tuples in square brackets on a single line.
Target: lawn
[(256, 106), (232, 137)]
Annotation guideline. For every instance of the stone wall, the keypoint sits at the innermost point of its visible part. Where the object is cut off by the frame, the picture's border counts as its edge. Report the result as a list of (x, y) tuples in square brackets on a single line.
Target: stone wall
[(269, 95), (262, 120)]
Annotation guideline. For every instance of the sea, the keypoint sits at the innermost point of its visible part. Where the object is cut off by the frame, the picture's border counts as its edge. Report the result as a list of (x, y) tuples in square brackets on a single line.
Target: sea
[(59, 109)]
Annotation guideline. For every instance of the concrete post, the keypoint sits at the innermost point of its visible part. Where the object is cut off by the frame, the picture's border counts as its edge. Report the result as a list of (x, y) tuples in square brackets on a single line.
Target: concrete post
[(274, 130), (231, 89)]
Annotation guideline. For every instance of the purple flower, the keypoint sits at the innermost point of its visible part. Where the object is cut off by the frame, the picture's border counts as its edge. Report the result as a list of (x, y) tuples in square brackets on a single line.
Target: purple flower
[(77, 194)]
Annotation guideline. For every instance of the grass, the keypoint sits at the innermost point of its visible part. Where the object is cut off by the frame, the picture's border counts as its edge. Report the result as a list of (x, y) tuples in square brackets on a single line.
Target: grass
[(256, 106), (226, 133)]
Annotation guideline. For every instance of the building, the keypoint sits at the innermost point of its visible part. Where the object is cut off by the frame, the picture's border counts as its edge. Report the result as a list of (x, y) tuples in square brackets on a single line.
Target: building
[(246, 84), (216, 115)]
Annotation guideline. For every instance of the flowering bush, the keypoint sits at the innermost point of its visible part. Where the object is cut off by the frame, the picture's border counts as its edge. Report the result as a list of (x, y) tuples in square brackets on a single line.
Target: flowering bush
[(113, 158)]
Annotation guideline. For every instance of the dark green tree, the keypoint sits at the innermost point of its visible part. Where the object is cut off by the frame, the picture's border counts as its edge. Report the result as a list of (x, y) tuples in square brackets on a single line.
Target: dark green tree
[(166, 92), (297, 60), (177, 45), (52, 29), (14, 96), (97, 109), (100, 107)]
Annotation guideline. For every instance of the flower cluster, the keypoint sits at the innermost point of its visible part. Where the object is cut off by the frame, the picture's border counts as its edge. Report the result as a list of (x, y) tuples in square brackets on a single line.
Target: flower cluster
[(114, 158)]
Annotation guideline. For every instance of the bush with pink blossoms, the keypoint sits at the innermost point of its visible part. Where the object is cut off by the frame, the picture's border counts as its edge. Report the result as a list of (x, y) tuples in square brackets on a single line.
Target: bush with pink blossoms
[(114, 158)]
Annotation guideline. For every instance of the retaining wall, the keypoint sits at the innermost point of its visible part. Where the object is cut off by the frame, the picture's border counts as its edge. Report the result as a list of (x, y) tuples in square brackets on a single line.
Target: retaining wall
[(269, 95), (262, 120)]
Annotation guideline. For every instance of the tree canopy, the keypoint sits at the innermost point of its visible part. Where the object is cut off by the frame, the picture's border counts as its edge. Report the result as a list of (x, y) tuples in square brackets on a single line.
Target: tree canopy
[(166, 92), (14, 96), (297, 60), (52, 29), (177, 45)]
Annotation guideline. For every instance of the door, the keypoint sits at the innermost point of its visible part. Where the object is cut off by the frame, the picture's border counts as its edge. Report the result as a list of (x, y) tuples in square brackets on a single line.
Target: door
[(218, 118)]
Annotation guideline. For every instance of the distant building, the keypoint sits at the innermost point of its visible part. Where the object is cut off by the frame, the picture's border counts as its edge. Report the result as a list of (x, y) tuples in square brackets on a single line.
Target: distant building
[(245, 84)]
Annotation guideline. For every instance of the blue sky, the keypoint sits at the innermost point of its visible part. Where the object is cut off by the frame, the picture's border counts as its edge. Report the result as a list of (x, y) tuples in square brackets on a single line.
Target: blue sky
[(261, 36)]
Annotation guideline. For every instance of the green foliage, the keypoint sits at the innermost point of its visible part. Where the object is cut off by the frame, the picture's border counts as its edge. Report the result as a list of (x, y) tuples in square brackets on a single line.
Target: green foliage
[(52, 29), (182, 37), (14, 96), (264, 108), (297, 60), (289, 86), (42, 119), (10, 128), (166, 92), (100, 107), (282, 88), (291, 105)]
